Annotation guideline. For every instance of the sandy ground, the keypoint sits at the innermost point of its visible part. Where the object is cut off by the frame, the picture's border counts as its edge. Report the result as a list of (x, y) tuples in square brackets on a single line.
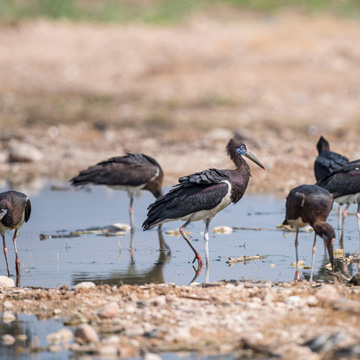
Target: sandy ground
[(82, 93)]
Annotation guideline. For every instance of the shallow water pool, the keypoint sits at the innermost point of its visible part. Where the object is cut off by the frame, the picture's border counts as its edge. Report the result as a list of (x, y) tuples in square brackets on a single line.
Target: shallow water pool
[(54, 262)]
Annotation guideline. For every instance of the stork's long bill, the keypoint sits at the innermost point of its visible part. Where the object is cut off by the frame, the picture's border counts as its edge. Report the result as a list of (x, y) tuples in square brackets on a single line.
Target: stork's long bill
[(253, 158)]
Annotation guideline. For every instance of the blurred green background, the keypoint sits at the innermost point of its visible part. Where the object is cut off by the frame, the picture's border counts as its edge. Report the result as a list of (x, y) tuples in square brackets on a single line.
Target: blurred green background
[(161, 11)]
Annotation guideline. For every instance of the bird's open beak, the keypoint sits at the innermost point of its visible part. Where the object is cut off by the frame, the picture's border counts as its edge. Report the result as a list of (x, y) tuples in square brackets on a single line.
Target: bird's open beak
[(329, 245), (253, 158)]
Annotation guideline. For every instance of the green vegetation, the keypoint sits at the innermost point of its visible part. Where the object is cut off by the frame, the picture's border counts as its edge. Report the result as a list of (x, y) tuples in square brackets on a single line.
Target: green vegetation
[(160, 11)]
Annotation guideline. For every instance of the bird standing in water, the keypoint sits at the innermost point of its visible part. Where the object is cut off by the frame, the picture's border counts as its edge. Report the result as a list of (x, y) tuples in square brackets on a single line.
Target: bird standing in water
[(202, 195), (344, 185), (131, 173), (15, 209), (310, 205)]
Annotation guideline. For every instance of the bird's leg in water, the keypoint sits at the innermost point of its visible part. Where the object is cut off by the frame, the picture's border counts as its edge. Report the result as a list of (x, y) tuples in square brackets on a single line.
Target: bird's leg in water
[(197, 255), (344, 213), (5, 253), (131, 212), (313, 259), (339, 215), (206, 241), (17, 261), (297, 273)]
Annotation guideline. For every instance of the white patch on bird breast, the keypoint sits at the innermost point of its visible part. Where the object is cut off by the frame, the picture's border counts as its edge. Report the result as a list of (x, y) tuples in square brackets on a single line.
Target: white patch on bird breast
[(297, 223), (348, 199), (209, 214)]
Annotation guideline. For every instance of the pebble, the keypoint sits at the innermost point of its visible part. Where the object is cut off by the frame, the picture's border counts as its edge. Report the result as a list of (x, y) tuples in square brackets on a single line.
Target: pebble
[(328, 294), (294, 301), (152, 356), (6, 282), (8, 317), (108, 351), (8, 339), (84, 285), (22, 152), (109, 311), (86, 334)]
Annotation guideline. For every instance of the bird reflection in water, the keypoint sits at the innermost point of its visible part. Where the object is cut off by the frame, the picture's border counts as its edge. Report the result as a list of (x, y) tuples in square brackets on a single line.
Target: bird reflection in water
[(133, 276)]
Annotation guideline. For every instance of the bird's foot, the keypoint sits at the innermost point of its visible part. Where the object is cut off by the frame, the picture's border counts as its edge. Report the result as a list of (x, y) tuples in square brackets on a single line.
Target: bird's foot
[(199, 259), (297, 276)]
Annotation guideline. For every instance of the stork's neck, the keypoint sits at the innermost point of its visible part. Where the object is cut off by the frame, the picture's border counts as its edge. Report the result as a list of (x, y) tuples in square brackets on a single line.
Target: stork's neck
[(239, 161)]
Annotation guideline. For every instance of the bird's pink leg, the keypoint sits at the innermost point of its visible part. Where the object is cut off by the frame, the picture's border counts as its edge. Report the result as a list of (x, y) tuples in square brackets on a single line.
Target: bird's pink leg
[(358, 215), (5, 253), (17, 260), (297, 273), (344, 214), (197, 255)]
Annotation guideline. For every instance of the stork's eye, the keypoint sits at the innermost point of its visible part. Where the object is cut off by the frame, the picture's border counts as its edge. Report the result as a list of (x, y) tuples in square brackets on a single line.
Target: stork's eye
[(243, 148)]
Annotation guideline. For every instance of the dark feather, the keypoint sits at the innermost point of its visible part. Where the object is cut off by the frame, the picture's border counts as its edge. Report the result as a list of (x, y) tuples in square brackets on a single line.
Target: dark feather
[(16, 203)]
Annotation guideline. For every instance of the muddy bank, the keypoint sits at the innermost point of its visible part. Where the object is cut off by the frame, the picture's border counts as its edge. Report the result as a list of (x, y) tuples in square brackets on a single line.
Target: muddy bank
[(273, 320)]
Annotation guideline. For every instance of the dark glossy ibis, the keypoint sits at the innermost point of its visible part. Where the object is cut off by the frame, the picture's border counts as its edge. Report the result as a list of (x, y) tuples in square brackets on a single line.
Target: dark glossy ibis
[(344, 185), (310, 205), (327, 161), (202, 195), (15, 209), (131, 173)]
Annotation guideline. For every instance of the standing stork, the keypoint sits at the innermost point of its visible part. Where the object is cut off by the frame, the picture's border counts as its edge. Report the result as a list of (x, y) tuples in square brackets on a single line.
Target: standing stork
[(15, 209), (202, 195), (327, 161), (344, 185), (131, 173), (310, 205)]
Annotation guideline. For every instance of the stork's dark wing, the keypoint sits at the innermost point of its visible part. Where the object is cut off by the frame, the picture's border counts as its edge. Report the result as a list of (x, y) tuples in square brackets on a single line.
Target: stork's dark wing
[(294, 204), (343, 181), (196, 192), (327, 162), (130, 170), (27, 210)]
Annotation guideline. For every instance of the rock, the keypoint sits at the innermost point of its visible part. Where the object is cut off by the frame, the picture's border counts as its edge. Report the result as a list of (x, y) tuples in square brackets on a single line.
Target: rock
[(8, 339), (109, 351), (151, 356), (22, 152), (7, 305), (294, 301), (159, 300), (222, 230), (8, 317), (355, 280), (86, 334), (327, 294), (352, 306), (6, 282), (109, 311), (66, 335), (84, 285)]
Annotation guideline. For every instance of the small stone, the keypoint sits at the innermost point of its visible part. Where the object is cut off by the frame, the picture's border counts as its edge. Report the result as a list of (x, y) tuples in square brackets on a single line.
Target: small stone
[(84, 285), (294, 301), (55, 348), (8, 317), (86, 334), (109, 351), (222, 230), (109, 311), (21, 152), (152, 356), (311, 300), (8, 339), (7, 305), (327, 294), (158, 301), (6, 282), (22, 337), (66, 335)]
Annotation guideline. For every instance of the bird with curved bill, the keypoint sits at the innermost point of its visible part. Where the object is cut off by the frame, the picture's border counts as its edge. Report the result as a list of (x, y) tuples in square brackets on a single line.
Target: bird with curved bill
[(344, 185), (310, 205), (202, 195), (15, 210), (131, 173)]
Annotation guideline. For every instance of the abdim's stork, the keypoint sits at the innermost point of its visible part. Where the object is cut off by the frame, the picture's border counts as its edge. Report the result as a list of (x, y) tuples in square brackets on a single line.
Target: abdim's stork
[(310, 205), (15, 209), (132, 172), (202, 195)]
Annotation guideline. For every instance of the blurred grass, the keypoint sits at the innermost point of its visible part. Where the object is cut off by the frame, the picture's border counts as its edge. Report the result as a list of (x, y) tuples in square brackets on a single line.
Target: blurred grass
[(160, 11)]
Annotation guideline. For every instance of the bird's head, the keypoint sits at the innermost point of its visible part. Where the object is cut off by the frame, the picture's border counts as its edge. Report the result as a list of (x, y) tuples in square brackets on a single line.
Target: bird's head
[(322, 145), (244, 151), (327, 232)]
